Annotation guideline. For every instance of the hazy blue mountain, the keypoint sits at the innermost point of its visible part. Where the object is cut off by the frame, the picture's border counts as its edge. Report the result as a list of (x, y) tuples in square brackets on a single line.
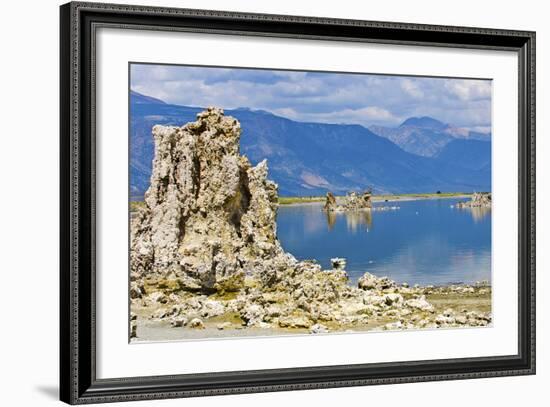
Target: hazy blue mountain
[(424, 123), (471, 154), (308, 158), (415, 140), (426, 136), (138, 98)]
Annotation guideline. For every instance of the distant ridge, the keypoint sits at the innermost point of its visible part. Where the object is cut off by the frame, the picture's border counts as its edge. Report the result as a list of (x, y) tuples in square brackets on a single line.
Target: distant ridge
[(142, 99), (424, 122), (425, 135), (472, 154), (313, 158)]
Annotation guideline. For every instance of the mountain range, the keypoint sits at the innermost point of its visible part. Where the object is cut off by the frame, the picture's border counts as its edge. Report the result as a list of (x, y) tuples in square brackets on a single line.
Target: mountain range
[(426, 136), (313, 158)]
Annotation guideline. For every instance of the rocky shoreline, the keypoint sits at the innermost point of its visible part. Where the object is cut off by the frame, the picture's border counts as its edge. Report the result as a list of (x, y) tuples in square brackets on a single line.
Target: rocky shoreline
[(204, 255), (375, 304)]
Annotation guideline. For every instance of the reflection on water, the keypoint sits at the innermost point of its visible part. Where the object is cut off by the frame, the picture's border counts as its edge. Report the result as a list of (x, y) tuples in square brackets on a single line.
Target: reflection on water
[(425, 242), (331, 220), (357, 219), (354, 220), (478, 212)]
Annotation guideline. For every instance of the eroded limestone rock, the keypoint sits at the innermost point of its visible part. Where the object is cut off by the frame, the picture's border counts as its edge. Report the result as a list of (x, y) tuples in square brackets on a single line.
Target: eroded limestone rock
[(133, 325), (330, 202), (352, 202), (209, 215), (479, 200), (196, 323), (369, 281)]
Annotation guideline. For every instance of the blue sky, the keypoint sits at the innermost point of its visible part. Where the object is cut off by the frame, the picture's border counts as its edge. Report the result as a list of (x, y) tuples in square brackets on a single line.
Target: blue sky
[(364, 99)]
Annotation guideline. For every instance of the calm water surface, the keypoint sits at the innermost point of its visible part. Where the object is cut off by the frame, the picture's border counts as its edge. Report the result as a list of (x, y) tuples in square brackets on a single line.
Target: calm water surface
[(424, 242)]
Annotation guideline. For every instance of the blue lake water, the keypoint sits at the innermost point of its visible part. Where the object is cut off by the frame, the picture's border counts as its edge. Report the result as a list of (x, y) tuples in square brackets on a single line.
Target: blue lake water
[(424, 242)]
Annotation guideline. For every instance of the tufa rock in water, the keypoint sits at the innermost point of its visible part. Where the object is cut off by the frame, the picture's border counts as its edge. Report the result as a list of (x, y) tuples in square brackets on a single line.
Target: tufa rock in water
[(356, 202), (352, 202), (479, 200), (338, 263), (209, 215), (330, 202)]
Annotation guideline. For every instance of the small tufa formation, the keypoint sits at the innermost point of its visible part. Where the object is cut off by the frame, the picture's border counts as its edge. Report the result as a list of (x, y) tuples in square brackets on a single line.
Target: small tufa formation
[(371, 282), (338, 263), (352, 202), (330, 202), (355, 202), (209, 215), (479, 200)]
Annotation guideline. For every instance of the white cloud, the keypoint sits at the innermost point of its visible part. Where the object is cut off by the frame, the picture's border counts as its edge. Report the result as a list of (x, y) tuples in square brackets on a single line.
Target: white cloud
[(412, 88), (322, 97), (481, 129), (468, 90), (365, 116)]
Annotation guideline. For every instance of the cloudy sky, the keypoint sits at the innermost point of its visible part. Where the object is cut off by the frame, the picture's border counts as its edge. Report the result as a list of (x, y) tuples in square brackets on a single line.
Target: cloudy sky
[(319, 96)]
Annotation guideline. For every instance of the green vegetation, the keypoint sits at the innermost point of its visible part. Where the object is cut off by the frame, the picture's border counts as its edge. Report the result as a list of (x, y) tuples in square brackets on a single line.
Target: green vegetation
[(287, 200), (283, 200), (420, 195)]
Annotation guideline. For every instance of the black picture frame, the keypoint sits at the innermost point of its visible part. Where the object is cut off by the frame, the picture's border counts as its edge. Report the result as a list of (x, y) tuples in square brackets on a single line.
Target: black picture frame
[(78, 382)]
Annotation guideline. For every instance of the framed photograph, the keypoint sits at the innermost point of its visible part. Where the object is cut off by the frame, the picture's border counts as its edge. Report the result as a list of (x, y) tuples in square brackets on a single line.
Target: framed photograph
[(255, 203)]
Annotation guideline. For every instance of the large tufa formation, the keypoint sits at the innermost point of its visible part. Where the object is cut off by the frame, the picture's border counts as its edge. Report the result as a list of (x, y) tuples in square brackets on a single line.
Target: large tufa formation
[(209, 215)]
